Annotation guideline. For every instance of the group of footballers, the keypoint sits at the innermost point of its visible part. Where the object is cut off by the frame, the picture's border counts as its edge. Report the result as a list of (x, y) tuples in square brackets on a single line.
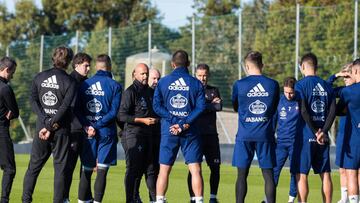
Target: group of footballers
[(301, 117), (79, 116)]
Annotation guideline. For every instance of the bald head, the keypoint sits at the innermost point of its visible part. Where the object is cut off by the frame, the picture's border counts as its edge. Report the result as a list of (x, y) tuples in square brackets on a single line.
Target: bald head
[(154, 77), (141, 73)]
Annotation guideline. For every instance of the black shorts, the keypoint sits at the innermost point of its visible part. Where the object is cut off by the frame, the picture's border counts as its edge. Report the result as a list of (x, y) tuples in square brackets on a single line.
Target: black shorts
[(211, 149)]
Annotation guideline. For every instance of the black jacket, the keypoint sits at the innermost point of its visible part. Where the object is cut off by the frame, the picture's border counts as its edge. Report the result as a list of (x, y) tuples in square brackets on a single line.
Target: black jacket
[(76, 126), (206, 122), (136, 102), (52, 93), (7, 103)]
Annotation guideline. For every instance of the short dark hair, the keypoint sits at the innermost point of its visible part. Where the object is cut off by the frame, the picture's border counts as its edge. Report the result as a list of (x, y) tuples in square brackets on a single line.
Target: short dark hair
[(7, 62), (254, 57), (62, 57), (80, 58), (290, 82), (104, 59), (203, 66), (356, 62), (311, 59), (180, 58)]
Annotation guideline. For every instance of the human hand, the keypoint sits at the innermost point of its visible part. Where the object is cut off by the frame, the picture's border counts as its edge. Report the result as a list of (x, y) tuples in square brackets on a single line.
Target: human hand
[(216, 100), (90, 131), (186, 126), (321, 137), (341, 74), (149, 121), (175, 129), (9, 114), (44, 134)]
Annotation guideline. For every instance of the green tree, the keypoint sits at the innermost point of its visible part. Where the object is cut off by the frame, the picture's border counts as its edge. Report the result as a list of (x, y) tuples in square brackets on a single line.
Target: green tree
[(253, 21), (83, 15), (26, 55), (277, 41), (216, 41), (28, 20)]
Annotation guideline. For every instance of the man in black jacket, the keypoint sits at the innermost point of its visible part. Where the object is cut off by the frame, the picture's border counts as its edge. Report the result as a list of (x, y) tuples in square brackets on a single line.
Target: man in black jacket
[(81, 65), (137, 114), (52, 93), (206, 123), (154, 77), (8, 110)]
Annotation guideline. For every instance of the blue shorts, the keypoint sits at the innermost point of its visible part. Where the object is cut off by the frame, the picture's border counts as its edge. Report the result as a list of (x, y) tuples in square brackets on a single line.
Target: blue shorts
[(244, 153), (99, 151), (310, 154), (190, 147), (339, 160), (351, 155)]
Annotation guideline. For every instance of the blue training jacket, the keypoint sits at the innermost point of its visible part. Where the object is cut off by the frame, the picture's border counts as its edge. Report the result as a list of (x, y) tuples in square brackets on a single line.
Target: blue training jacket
[(318, 95), (287, 116), (98, 103), (255, 98), (178, 99), (350, 99)]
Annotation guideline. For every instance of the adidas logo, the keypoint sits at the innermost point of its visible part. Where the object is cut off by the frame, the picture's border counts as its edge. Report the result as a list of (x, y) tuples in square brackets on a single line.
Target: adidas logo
[(179, 85), (319, 90), (258, 91), (95, 89), (51, 82)]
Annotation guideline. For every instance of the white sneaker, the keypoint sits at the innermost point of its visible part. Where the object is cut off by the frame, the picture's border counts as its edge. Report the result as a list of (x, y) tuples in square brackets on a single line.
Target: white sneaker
[(86, 201)]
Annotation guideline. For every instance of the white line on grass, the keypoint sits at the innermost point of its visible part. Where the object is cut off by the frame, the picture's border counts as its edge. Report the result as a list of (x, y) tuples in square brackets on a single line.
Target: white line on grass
[(223, 127)]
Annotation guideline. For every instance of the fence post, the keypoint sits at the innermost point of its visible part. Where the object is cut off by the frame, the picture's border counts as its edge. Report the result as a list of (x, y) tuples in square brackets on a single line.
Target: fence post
[(193, 44), (77, 42), (355, 28), (240, 42), (7, 51), (109, 42), (149, 45), (163, 68), (297, 40), (41, 53)]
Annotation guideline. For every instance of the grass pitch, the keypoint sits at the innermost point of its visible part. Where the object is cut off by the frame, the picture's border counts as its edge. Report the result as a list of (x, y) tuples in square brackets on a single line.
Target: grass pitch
[(177, 191)]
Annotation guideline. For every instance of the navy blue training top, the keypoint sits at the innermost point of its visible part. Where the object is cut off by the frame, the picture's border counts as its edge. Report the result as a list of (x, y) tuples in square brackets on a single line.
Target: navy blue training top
[(287, 116), (318, 95), (98, 103), (255, 98), (179, 99), (350, 97)]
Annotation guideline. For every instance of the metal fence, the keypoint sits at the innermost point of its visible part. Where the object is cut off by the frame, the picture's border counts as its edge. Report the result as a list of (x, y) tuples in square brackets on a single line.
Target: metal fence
[(282, 34)]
